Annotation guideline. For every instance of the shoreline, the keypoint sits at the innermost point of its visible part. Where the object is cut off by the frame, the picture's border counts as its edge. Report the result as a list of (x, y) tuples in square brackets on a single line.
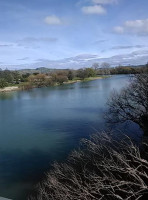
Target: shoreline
[(9, 89), (16, 88)]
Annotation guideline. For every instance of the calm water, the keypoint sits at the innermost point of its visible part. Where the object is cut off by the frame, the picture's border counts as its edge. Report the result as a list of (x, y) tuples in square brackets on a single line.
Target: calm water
[(43, 125)]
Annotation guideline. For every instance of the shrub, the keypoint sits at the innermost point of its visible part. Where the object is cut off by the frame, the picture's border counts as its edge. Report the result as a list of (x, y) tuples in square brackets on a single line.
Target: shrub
[(61, 79), (3, 83)]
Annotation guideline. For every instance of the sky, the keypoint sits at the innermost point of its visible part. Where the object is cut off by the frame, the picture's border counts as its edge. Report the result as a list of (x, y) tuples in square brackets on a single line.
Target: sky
[(72, 33)]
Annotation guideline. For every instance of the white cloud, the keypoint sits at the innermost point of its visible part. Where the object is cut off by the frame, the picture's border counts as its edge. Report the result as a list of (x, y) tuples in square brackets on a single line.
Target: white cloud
[(138, 27), (134, 58), (96, 9), (53, 20), (119, 29), (105, 1)]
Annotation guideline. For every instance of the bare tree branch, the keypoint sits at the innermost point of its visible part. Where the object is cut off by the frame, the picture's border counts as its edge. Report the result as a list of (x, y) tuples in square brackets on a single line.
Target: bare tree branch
[(102, 169), (131, 104)]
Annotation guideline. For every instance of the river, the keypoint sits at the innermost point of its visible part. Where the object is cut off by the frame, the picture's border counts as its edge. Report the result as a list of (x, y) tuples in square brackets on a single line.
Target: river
[(43, 125)]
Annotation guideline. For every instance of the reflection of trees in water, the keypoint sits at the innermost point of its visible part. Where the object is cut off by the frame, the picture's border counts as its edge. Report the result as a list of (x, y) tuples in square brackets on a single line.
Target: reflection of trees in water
[(7, 95)]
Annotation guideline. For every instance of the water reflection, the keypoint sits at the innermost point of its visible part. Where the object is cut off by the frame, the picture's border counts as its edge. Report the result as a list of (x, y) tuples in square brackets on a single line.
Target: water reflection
[(7, 95)]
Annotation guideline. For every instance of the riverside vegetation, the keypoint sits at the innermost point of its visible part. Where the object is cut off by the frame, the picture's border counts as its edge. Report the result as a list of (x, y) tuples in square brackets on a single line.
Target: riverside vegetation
[(41, 79), (106, 167), (44, 77)]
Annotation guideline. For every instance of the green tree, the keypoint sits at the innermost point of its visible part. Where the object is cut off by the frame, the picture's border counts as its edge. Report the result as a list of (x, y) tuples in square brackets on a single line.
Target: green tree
[(3, 83), (70, 75), (82, 73), (8, 76), (16, 76), (61, 79), (91, 72)]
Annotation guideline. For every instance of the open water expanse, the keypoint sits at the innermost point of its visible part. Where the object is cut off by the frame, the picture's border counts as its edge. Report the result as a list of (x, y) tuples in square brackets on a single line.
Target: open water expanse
[(43, 125)]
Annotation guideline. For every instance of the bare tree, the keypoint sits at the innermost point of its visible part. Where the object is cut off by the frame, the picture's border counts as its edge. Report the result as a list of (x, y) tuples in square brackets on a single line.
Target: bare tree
[(102, 169), (95, 66), (105, 68), (131, 104)]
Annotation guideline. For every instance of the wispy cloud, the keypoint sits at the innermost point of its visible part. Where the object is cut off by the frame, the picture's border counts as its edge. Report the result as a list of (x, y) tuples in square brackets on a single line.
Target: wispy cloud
[(138, 27), (25, 58), (83, 60), (100, 41), (35, 42), (28, 40), (53, 20), (6, 45), (105, 1), (129, 47), (96, 9)]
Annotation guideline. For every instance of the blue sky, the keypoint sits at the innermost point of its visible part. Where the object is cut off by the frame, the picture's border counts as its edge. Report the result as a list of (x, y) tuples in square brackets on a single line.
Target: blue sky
[(72, 33)]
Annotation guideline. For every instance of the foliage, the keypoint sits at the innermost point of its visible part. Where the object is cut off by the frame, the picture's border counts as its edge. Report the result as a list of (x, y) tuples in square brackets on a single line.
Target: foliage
[(85, 73), (91, 72), (61, 79), (7, 75), (122, 70), (131, 104), (82, 73), (70, 75), (37, 80), (44, 77), (101, 169), (3, 83)]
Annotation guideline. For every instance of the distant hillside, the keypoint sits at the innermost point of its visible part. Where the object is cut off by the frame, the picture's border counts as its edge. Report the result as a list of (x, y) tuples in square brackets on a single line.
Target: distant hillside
[(45, 70), (42, 70)]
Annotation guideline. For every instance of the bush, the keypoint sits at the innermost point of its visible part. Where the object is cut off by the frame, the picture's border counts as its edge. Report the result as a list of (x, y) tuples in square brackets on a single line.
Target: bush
[(26, 86), (61, 79), (70, 75), (3, 83)]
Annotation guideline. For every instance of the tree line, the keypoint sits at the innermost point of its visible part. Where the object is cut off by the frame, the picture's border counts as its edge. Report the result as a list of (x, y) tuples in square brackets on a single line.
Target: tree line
[(106, 69), (30, 80), (41, 79)]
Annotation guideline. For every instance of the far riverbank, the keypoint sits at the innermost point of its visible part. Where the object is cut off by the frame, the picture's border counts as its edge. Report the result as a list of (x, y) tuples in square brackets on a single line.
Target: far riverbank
[(9, 89), (16, 88)]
